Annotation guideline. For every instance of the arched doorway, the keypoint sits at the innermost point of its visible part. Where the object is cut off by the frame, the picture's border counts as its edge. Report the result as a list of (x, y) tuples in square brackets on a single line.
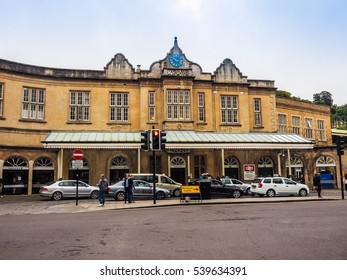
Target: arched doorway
[(15, 175), (265, 167), (118, 168), (297, 168), (178, 169), (83, 173), (231, 167), (43, 173), (326, 166)]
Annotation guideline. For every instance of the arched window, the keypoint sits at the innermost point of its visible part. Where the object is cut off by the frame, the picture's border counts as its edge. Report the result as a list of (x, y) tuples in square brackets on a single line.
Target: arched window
[(324, 161), (16, 163), (178, 162), (119, 162), (43, 163), (231, 162)]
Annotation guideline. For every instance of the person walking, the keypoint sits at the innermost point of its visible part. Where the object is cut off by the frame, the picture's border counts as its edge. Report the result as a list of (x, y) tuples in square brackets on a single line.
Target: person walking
[(125, 184), (317, 184), (103, 184), (131, 189)]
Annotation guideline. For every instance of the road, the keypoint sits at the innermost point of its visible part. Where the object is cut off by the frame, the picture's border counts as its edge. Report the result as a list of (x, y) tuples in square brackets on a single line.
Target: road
[(301, 230)]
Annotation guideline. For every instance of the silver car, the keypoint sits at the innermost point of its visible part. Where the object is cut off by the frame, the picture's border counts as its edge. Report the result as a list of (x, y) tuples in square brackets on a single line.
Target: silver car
[(231, 181), (141, 189), (67, 188)]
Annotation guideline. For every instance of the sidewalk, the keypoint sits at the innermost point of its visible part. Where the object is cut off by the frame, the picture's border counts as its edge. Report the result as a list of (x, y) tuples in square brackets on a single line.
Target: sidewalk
[(22, 204)]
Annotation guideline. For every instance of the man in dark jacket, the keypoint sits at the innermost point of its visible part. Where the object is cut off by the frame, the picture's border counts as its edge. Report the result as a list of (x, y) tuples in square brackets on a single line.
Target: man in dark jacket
[(317, 184), (130, 188)]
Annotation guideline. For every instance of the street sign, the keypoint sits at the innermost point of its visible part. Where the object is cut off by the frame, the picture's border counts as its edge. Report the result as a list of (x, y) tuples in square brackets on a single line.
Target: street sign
[(77, 164), (77, 154), (249, 171), (190, 189)]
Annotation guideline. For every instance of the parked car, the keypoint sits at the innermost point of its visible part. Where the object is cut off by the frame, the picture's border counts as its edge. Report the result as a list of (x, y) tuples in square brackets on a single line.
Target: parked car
[(162, 181), (141, 189), (232, 181), (67, 188), (219, 189), (254, 183), (272, 186)]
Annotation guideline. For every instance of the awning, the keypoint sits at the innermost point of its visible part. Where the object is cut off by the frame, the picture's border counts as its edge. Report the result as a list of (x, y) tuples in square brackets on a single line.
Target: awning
[(175, 140)]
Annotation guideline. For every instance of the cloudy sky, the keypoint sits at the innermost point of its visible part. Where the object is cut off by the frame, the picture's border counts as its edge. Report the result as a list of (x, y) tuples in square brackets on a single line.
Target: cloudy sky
[(300, 44)]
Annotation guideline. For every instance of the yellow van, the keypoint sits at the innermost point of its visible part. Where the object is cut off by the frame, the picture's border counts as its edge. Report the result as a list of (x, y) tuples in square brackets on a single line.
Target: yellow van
[(162, 181)]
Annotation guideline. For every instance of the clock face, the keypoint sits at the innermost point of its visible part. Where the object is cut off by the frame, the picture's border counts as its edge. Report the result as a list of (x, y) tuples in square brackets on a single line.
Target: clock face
[(176, 60)]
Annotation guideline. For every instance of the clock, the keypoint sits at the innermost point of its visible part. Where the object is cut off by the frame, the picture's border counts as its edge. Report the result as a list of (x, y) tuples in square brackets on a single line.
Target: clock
[(176, 60)]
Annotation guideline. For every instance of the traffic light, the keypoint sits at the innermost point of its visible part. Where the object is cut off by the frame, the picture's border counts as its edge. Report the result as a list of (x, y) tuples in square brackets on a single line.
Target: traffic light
[(162, 140), (155, 140), (145, 139), (340, 146)]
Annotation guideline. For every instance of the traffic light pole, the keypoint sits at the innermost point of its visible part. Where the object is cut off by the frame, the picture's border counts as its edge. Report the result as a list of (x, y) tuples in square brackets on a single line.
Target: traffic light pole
[(154, 189)]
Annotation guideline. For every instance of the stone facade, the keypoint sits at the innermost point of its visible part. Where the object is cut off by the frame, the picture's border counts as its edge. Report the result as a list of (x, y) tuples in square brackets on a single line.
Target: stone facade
[(198, 103)]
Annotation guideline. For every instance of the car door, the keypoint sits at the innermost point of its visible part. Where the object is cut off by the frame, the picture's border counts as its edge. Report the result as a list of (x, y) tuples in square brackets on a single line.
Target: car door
[(144, 189), (83, 189), (291, 186), (67, 187), (279, 186), (218, 189)]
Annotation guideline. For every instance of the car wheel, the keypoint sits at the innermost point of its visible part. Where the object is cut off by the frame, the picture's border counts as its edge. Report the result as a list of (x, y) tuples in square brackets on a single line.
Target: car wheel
[(160, 195), (270, 193), (57, 196), (120, 196), (94, 194), (236, 194), (177, 192), (248, 191), (302, 192)]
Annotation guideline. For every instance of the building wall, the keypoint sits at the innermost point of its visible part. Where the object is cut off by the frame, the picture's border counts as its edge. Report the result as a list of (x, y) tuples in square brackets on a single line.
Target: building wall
[(22, 137)]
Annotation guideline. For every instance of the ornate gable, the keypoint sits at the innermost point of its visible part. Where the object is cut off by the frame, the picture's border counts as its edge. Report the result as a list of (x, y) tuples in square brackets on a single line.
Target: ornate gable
[(119, 68)]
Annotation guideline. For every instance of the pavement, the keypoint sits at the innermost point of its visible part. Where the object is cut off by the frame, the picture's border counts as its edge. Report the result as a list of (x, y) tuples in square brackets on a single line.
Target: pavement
[(34, 204)]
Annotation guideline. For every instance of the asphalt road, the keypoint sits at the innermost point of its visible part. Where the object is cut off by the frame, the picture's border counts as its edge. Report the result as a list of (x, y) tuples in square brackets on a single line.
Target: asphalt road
[(301, 230)]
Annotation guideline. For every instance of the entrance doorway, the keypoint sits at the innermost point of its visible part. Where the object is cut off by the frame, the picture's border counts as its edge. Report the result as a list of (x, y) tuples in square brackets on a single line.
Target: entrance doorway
[(265, 167), (119, 167), (178, 169), (15, 175)]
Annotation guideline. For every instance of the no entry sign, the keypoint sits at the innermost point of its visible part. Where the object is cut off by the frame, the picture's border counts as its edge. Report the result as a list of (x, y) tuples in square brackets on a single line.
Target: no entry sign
[(77, 154)]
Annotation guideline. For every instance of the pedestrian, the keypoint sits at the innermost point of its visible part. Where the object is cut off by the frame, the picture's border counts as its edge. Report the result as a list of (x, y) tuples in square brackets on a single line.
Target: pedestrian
[(1, 188), (125, 184), (103, 184), (131, 189), (317, 184), (302, 179)]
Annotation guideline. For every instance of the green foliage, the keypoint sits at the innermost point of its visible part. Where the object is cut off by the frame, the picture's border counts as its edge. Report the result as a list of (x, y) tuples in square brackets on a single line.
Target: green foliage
[(324, 97), (283, 93)]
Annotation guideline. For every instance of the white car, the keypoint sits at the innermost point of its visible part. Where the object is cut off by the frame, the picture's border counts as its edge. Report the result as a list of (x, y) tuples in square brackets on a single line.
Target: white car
[(231, 181), (272, 186)]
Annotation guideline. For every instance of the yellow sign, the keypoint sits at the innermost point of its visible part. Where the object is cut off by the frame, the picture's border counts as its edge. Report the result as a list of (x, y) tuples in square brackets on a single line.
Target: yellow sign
[(190, 189)]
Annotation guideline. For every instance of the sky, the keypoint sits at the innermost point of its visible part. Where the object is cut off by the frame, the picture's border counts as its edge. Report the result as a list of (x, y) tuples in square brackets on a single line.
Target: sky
[(300, 44)]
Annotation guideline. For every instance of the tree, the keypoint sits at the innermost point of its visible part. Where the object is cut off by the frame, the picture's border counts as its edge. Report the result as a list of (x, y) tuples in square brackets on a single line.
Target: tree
[(283, 93), (324, 97)]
